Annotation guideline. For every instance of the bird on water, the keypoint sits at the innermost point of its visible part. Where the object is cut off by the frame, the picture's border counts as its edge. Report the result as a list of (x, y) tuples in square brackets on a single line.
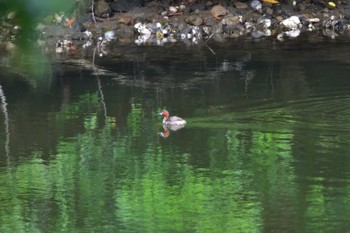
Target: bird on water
[(171, 120)]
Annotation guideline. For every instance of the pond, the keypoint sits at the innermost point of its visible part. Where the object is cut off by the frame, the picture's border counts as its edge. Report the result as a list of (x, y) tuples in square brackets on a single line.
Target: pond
[(265, 149)]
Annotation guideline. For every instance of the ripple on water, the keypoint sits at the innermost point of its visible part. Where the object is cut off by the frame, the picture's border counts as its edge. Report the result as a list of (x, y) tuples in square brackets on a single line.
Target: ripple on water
[(327, 113)]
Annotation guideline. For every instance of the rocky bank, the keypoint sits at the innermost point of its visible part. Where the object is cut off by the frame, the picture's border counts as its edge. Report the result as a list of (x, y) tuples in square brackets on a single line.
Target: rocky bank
[(160, 22)]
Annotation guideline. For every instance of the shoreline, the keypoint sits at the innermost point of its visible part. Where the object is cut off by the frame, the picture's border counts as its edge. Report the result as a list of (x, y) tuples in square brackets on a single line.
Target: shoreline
[(158, 23)]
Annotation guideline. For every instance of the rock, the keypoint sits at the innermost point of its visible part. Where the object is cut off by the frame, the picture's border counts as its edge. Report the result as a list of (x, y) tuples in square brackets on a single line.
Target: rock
[(228, 29), (78, 26), (292, 22), (126, 20), (264, 23), (210, 22), (209, 4), (279, 18), (110, 35), (269, 11), (199, 19), (172, 9), (11, 15), (181, 26), (249, 26), (302, 6), (217, 29), (241, 5), (88, 34), (185, 30), (292, 34), (102, 9), (333, 24), (56, 31), (218, 11), (313, 20), (142, 29), (126, 5), (231, 20), (257, 34), (235, 33), (287, 10), (194, 20), (198, 7), (40, 27), (125, 31), (256, 5), (58, 18)]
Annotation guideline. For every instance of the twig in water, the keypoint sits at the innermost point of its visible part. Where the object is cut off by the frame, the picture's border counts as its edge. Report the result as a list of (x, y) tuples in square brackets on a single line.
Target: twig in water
[(93, 10), (102, 97), (93, 58), (6, 121), (209, 38), (210, 49)]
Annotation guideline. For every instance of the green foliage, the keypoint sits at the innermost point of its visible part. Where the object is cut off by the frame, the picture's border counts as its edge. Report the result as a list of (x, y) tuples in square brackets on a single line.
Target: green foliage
[(29, 12), (34, 8)]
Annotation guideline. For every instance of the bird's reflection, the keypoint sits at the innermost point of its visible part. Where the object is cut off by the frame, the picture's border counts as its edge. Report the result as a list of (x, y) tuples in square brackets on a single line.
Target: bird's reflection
[(168, 128)]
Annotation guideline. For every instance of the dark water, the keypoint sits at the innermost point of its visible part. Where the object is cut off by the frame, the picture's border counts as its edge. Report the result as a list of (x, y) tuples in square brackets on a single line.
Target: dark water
[(266, 147)]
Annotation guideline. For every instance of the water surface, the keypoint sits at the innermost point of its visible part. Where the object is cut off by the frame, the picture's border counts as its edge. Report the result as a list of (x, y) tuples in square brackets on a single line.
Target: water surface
[(266, 147)]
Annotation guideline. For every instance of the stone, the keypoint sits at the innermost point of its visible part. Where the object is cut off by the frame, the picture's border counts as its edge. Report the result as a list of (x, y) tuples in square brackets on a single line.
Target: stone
[(256, 5), (194, 20), (126, 20), (210, 22), (217, 29), (231, 20), (301, 7), (125, 31), (102, 9), (265, 23), (292, 33), (56, 31), (292, 22), (269, 11), (279, 18), (198, 7), (78, 26), (218, 11), (126, 5), (241, 5)]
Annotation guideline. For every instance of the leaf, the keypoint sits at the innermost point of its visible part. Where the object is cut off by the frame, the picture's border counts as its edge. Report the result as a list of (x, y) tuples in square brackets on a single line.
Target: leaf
[(70, 22), (271, 1)]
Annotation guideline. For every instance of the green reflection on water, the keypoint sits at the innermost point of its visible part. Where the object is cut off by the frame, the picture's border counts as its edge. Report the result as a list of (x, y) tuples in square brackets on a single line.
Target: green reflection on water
[(101, 181), (29, 65), (273, 168), (134, 119), (95, 178), (189, 200)]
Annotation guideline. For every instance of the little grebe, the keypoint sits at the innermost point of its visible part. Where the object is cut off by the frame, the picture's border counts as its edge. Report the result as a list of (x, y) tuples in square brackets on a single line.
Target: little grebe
[(173, 120)]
